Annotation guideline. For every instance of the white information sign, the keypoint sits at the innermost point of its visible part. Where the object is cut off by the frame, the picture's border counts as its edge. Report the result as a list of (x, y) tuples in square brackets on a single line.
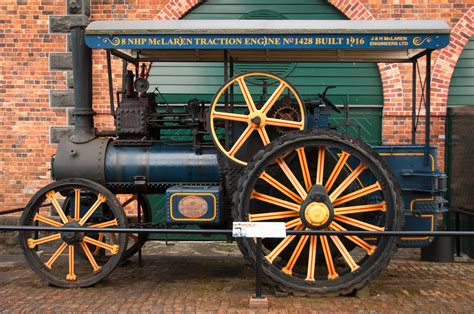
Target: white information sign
[(259, 230)]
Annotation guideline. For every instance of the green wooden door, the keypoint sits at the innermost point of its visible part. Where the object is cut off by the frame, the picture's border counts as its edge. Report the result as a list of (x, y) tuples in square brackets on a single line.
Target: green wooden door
[(179, 82)]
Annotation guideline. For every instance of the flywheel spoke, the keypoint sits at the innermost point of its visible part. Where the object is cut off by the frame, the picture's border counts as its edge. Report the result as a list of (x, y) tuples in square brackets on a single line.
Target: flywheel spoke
[(336, 171), (312, 258), (345, 254), (288, 269), (285, 123), (275, 201), (320, 167), (280, 187), (100, 199), (77, 204), (360, 209), (355, 239), (55, 256), (47, 221), (114, 249), (241, 141), (52, 198), (332, 274), (90, 257), (273, 215), (304, 168), (347, 181), (230, 116), (264, 136), (357, 194), (290, 175), (71, 276), (32, 242), (357, 223), (247, 95), (281, 246), (273, 98)]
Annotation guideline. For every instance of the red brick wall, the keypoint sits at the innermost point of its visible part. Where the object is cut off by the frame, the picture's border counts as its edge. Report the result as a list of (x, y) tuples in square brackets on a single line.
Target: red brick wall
[(25, 78)]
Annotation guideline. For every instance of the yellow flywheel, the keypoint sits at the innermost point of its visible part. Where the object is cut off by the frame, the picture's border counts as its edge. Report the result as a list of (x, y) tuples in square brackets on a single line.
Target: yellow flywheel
[(252, 120)]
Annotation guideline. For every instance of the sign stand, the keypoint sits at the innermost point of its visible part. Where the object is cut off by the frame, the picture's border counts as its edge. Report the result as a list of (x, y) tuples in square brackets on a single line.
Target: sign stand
[(257, 231)]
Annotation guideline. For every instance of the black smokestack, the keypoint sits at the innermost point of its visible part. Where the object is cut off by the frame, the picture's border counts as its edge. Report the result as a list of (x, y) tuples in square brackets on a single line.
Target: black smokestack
[(83, 114)]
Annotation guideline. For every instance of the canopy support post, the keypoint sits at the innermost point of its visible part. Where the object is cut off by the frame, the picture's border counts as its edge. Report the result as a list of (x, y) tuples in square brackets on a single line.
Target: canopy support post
[(111, 88), (427, 107), (226, 97), (413, 103)]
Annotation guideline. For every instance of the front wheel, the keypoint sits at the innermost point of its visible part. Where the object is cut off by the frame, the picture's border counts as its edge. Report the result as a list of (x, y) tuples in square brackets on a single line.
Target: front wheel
[(69, 259), (320, 180)]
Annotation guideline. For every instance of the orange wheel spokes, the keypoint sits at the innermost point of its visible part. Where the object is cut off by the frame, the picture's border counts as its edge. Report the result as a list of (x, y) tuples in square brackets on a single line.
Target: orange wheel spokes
[(332, 274), (320, 167), (32, 242), (288, 269), (105, 224), (71, 276), (55, 256), (285, 123), (275, 201), (77, 204), (304, 168), (280, 187), (264, 136), (345, 254), (347, 181), (312, 258), (230, 116), (47, 221), (357, 223), (290, 175), (293, 223), (357, 194), (336, 171), (100, 199), (51, 196), (281, 246), (90, 257), (246, 93), (355, 239), (273, 215), (360, 209), (114, 249)]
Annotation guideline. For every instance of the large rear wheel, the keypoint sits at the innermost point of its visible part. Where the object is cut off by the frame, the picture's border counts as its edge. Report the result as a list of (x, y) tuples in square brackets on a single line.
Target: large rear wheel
[(320, 180)]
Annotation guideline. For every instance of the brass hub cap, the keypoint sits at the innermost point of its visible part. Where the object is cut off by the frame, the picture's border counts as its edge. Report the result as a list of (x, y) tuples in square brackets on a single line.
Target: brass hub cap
[(317, 213)]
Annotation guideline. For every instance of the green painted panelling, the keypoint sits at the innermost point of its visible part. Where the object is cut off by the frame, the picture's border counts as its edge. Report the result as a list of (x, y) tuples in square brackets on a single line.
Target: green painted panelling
[(180, 82), (461, 90), (364, 123)]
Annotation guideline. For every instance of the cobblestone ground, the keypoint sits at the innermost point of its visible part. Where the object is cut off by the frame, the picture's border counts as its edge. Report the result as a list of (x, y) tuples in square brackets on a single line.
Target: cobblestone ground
[(214, 278)]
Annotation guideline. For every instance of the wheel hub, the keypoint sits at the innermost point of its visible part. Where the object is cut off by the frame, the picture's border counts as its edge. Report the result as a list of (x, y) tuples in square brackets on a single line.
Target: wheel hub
[(71, 237), (257, 120), (317, 212)]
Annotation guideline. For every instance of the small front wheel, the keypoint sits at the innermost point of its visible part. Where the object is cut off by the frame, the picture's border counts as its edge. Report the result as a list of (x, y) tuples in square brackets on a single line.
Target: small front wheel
[(68, 259)]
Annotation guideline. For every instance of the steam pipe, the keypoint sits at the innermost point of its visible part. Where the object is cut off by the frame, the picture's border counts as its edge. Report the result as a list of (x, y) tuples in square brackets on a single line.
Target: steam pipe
[(83, 113)]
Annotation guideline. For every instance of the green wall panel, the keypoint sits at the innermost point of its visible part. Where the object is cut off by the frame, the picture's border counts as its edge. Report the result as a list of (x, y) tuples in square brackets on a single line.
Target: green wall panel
[(461, 90)]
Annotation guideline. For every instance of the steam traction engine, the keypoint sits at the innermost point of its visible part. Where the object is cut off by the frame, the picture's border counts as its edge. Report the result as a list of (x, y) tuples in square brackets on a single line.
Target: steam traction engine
[(256, 152)]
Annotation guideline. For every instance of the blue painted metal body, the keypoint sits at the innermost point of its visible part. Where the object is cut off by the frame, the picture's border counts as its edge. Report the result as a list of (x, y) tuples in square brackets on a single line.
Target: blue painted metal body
[(161, 164)]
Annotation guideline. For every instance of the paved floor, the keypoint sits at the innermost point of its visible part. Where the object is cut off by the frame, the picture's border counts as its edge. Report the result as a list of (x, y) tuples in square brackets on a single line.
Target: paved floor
[(215, 279)]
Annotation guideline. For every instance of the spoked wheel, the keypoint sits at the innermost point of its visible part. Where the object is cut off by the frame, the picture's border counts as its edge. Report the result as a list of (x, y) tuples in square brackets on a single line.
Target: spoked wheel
[(270, 107), (55, 256), (321, 181)]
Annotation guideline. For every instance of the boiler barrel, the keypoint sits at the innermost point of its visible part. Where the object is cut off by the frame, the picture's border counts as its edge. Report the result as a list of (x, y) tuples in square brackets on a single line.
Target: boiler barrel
[(121, 168), (160, 163)]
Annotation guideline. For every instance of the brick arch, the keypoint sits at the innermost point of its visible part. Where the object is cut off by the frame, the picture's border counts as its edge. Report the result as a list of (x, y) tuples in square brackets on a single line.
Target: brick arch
[(389, 73), (447, 59), (176, 9)]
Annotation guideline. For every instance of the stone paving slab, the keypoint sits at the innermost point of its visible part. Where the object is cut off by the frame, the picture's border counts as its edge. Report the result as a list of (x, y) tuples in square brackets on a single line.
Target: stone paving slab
[(220, 281)]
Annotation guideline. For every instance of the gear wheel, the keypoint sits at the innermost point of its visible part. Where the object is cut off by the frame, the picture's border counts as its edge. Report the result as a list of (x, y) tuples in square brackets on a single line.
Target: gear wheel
[(285, 111)]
